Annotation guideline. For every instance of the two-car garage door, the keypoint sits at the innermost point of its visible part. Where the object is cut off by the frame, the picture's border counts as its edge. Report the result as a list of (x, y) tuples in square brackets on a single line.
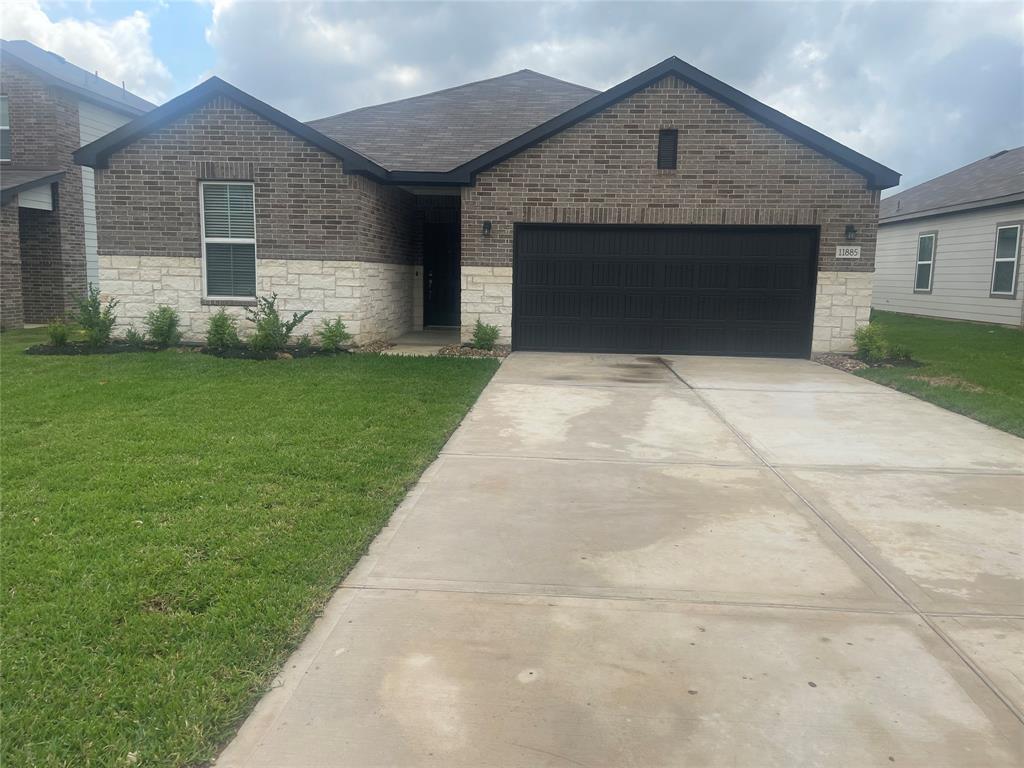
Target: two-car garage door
[(669, 290)]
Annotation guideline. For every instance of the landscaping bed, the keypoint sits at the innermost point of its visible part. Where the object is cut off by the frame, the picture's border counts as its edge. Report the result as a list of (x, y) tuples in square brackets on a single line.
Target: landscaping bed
[(468, 350), (173, 524)]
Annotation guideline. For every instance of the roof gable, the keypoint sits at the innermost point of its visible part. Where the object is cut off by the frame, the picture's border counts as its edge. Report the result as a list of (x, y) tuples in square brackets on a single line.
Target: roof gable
[(996, 179), (98, 152), (877, 175), (440, 131), (56, 70)]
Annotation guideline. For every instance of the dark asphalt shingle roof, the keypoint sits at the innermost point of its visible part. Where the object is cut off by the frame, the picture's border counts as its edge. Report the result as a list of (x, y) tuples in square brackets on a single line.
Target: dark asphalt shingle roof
[(442, 130), (992, 179), (65, 74)]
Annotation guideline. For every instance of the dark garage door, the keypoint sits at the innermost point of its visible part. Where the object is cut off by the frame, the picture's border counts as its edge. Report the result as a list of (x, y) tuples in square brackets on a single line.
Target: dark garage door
[(678, 290)]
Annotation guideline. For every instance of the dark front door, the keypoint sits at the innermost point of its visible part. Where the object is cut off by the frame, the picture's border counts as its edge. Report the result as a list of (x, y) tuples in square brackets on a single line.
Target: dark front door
[(440, 274), (670, 290)]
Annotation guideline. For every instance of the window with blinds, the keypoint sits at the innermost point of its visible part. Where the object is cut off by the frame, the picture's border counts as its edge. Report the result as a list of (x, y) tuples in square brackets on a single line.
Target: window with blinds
[(229, 239)]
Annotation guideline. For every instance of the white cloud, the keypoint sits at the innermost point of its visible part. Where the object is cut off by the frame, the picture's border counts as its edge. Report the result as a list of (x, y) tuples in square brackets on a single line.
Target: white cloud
[(120, 50)]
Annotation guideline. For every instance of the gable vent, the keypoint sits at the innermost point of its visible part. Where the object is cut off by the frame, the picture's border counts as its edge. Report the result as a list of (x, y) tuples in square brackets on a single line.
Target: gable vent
[(668, 146)]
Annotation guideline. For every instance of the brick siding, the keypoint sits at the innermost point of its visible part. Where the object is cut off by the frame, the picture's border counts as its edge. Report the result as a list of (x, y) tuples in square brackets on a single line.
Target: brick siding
[(11, 309), (44, 132), (731, 170), (306, 208), (41, 265)]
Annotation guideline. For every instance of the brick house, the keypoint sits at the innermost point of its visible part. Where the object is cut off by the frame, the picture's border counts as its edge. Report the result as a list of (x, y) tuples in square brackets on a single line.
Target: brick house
[(48, 109), (671, 213)]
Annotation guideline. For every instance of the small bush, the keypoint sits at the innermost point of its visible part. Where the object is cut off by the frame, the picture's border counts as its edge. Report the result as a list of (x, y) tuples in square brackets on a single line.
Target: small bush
[(271, 333), (333, 335), (222, 332), (58, 331), (162, 326), (305, 344), (899, 353), (96, 318), (873, 347), (133, 338), (484, 335)]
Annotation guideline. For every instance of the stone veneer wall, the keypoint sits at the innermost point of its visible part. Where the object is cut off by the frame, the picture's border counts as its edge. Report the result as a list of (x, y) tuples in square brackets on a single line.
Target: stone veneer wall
[(842, 304), (732, 170), (11, 308), (335, 244), (373, 298)]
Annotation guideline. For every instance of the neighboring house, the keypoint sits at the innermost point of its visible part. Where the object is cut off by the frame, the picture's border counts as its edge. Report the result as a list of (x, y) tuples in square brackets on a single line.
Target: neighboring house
[(951, 247), (48, 109), (671, 213)]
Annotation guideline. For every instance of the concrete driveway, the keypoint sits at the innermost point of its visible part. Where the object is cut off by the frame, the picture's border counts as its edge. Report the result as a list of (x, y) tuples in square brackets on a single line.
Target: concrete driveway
[(635, 561)]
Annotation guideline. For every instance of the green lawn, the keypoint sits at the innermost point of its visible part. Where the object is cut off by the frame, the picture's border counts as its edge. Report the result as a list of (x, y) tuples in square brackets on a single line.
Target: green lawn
[(172, 524), (970, 368)]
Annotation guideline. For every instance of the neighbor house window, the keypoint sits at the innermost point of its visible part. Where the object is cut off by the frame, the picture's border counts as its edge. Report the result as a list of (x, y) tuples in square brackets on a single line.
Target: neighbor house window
[(668, 148), (229, 239), (925, 262), (5, 130), (1004, 271)]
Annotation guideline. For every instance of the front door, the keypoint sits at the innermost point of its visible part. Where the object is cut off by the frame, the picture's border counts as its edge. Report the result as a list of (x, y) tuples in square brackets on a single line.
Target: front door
[(441, 274)]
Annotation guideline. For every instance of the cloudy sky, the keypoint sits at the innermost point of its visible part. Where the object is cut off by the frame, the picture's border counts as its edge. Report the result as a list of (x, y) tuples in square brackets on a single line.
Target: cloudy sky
[(921, 87)]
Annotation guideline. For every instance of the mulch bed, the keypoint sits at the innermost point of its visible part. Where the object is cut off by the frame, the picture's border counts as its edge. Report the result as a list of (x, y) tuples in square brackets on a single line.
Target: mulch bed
[(465, 350), (851, 364), (373, 348)]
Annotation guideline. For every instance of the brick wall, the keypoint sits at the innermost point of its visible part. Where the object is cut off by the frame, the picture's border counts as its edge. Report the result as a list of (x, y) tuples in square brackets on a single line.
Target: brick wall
[(731, 170), (315, 226), (44, 133), (11, 311), (42, 267), (306, 208)]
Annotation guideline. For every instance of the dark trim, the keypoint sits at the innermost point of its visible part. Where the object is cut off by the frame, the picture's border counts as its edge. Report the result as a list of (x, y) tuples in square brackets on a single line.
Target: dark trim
[(1016, 263), (877, 175), (934, 233), (993, 202), (10, 193), (97, 154), (82, 93)]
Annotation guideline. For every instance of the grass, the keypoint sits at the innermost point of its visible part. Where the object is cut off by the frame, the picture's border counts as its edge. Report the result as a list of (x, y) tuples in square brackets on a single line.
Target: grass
[(970, 368), (173, 523)]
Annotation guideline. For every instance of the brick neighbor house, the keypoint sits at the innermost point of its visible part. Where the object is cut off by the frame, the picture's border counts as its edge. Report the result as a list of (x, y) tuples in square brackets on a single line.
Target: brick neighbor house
[(48, 109), (671, 213)]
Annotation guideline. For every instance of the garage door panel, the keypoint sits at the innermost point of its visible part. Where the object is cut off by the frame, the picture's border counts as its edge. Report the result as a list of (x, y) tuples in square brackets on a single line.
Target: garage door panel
[(698, 290)]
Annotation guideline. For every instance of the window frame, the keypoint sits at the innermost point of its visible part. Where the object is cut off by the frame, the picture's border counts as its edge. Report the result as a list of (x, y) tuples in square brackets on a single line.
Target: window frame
[(7, 128), (1012, 293), (204, 240), (663, 133), (934, 235)]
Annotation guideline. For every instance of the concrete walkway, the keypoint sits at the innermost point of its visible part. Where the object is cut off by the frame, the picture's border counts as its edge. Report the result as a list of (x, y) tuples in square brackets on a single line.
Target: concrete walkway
[(635, 561)]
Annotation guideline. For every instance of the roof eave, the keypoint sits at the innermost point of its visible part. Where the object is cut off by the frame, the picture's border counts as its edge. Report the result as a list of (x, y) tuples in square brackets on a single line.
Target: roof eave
[(97, 153), (10, 193), (974, 205)]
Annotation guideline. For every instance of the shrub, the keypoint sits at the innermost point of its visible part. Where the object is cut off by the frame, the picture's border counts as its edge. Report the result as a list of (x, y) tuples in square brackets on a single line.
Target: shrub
[(133, 338), (162, 326), (333, 335), (58, 331), (873, 347), (271, 333), (484, 335), (96, 318), (305, 345), (222, 332)]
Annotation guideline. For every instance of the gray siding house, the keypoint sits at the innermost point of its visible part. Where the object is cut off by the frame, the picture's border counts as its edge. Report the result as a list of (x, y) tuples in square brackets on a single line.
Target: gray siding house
[(671, 213), (951, 247)]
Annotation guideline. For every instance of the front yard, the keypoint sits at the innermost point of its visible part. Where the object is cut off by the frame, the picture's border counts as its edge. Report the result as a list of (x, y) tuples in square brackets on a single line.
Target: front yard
[(970, 368), (172, 523)]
